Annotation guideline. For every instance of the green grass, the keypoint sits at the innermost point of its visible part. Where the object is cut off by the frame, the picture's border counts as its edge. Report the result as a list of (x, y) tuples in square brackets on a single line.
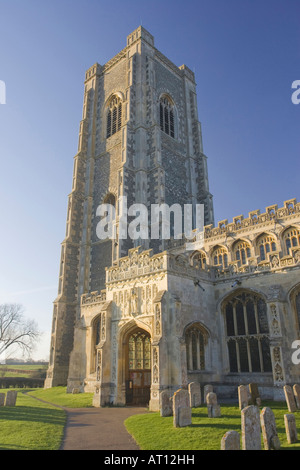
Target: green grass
[(155, 433), (31, 425), (36, 425), (59, 396)]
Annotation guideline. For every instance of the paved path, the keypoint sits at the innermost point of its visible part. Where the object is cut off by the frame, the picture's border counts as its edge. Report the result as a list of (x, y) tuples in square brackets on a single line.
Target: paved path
[(99, 429)]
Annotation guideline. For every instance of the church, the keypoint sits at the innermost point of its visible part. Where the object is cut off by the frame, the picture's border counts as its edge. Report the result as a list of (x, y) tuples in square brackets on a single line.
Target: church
[(138, 315)]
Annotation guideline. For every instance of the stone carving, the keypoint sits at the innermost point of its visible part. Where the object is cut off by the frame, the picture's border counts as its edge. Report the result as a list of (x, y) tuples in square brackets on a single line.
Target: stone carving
[(290, 428), (195, 394), (251, 439), (269, 431), (230, 441), (290, 399), (182, 415), (213, 408)]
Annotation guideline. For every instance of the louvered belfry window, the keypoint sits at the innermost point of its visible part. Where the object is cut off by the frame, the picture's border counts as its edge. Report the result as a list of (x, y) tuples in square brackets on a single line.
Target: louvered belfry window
[(166, 116), (114, 116)]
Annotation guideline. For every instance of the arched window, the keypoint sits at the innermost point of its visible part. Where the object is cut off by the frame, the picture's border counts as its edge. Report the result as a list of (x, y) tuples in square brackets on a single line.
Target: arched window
[(241, 251), (199, 260), (295, 300), (98, 333), (195, 340), (247, 333), (291, 238), (220, 257), (167, 116), (266, 244), (114, 116), (139, 351)]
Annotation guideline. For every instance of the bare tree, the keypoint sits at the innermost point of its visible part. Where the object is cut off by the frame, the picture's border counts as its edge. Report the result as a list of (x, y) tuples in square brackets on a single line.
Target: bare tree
[(16, 330)]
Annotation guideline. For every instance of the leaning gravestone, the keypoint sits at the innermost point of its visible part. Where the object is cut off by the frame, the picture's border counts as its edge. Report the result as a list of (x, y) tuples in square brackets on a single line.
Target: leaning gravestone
[(2, 399), (181, 399), (11, 398), (251, 439), (165, 404), (296, 390), (195, 394), (243, 396), (269, 431), (230, 441), (254, 394), (290, 428), (290, 399)]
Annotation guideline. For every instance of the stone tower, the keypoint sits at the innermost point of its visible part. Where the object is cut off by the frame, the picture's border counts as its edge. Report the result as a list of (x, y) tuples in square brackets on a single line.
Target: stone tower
[(139, 137)]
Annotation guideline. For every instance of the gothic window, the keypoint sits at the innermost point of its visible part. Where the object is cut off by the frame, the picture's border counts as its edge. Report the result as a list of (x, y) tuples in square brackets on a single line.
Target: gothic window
[(291, 239), (114, 116), (195, 340), (220, 257), (166, 116), (242, 252), (199, 260), (139, 351), (247, 333), (266, 244), (96, 338)]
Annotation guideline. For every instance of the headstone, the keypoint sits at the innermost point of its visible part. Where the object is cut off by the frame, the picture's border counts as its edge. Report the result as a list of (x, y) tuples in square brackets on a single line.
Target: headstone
[(296, 390), (184, 416), (213, 408), (195, 394), (243, 396), (181, 399), (269, 431), (165, 404), (290, 399), (207, 389), (2, 399), (290, 428), (75, 391), (230, 441), (254, 394), (251, 439), (11, 398)]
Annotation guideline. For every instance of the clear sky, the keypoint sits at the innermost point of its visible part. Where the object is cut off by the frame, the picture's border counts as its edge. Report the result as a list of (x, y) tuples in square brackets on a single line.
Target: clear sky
[(245, 54)]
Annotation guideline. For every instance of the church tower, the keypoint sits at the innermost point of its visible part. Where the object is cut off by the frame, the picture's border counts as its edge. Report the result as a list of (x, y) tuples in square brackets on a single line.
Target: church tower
[(139, 137)]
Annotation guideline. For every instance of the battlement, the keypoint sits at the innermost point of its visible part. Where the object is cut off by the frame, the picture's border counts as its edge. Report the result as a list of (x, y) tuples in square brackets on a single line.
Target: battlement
[(272, 215)]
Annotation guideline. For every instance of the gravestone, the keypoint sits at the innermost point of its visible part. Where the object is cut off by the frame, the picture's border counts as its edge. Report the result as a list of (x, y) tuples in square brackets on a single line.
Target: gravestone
[(254, 394), (290, 428), (165, 404), (184, 416), (230, 441), (11, 398), (290, 399), (195, 394), (251, 439), (213, 408), (2, 399), (296, 390), (243, 396), (207, 389), (269, 431), (181, 399)]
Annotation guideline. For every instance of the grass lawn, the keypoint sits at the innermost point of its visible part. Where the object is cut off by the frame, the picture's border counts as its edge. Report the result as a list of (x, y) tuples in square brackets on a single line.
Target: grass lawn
[(36, 425), (155, 433)]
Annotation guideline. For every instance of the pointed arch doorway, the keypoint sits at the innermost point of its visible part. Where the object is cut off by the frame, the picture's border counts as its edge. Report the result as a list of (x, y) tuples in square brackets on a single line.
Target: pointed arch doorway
[(138, 367)]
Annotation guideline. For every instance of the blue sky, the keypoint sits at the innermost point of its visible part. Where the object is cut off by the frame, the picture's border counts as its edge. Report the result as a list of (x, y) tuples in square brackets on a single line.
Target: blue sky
[(245, 54)]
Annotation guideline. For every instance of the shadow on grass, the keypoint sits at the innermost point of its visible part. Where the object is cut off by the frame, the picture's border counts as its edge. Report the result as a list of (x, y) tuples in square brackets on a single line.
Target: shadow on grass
[(31, 413)]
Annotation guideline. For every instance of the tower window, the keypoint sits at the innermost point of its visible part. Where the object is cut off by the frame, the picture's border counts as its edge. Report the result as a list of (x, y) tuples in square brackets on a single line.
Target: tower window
[(114, 116), (166, 116)]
